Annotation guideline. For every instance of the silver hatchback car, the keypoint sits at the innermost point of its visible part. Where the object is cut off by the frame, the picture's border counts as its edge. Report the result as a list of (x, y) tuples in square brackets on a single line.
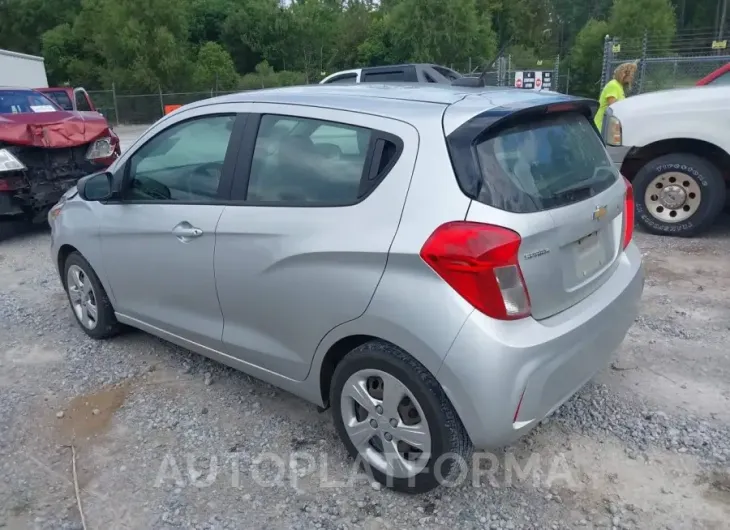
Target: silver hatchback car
[(442, 266)]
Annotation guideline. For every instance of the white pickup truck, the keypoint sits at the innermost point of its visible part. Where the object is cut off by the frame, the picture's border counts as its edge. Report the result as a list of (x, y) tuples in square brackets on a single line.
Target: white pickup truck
[(674, 146)]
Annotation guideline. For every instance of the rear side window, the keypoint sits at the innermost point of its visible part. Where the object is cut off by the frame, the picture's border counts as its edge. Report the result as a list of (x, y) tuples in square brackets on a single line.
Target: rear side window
[(317, 163), (384, 77), (448, 74), (554, 161)]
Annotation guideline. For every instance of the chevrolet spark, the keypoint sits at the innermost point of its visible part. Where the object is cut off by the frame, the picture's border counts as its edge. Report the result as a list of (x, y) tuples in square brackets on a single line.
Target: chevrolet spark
[(442, 266)]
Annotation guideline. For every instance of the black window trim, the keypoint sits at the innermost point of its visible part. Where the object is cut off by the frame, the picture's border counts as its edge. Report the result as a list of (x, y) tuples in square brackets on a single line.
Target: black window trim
[(368, 181), (121, 177)]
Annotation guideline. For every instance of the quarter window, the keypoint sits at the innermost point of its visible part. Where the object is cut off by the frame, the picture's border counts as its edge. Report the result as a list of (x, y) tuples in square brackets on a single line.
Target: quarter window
[(182, 163), (314, 161)]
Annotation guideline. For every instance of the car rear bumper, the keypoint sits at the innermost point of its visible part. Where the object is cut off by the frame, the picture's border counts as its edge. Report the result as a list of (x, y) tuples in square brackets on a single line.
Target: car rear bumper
[(492, 366)]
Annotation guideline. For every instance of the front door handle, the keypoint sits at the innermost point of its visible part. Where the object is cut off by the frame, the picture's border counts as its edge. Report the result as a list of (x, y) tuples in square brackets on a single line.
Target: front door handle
[(185, 231)]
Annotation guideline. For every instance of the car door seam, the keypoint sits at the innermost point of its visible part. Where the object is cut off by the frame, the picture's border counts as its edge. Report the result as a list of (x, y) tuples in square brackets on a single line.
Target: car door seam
[(387, 257), (215, 278)]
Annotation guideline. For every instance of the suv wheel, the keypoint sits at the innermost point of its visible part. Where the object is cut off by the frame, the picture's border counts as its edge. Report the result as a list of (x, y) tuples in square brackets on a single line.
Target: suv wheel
[(89, 302), (678, 194), (396, 420)]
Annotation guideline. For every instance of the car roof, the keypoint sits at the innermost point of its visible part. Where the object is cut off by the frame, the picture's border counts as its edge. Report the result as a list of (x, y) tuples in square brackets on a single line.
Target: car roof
[(398, 100)]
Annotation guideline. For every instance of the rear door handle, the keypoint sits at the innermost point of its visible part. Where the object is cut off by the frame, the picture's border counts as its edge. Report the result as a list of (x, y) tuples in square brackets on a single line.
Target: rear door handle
[(185, 231)]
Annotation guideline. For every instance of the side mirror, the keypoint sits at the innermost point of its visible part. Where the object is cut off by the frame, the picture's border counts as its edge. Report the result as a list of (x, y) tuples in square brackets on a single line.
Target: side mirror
[(96, 187)]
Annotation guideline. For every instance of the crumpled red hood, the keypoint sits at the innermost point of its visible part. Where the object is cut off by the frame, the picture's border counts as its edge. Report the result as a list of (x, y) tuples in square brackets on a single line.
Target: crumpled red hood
[(52, 129)]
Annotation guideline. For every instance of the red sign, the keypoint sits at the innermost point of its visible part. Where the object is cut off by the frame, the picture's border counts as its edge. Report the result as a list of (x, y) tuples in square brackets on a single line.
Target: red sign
[(518, 83), (538, 82)]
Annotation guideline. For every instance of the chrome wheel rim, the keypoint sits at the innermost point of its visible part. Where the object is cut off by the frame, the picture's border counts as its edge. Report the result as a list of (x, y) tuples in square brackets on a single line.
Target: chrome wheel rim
[(673, 197), (82, 296), (385, 423)]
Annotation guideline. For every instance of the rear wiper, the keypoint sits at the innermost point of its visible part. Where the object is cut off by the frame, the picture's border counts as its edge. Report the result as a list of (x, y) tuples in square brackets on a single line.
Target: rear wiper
[(576, 188)]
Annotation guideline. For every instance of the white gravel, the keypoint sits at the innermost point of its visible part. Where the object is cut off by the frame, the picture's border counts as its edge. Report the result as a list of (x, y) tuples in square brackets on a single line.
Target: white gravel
[(167, 439)]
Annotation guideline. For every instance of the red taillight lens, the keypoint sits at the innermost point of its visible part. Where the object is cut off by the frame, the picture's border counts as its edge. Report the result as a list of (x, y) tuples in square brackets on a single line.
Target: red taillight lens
[(480, 262), (4, 185), (628, 213)]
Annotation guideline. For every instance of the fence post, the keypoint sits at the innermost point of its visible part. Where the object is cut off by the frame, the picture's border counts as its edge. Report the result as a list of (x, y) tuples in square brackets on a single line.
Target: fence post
[(567, 82), (606, 61), (162, 101), (644, 46), (116, 107), (556, 74)]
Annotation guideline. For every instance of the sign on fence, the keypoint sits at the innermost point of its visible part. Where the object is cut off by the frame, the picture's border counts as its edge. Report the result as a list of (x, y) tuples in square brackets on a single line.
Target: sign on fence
[(533, 80)]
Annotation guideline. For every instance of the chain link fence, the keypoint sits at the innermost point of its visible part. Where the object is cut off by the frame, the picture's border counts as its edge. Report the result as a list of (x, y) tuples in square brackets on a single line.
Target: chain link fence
[(666, 63), (506, 68), (131, 109), (134, 109)]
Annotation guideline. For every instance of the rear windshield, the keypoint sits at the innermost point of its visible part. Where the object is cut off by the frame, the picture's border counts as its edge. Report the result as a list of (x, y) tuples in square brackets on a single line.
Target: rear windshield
[(539, 165), (21, 101)]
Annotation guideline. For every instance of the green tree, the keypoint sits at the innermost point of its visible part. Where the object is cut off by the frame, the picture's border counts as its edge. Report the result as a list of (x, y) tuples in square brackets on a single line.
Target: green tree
[(214, 68), (631, 18), (22, 22), (586, 59), (436, 31)]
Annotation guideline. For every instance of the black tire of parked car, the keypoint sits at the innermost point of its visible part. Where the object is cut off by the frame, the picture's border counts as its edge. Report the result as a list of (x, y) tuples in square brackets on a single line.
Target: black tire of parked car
[(707, 175), (107, 325), (448, 435)]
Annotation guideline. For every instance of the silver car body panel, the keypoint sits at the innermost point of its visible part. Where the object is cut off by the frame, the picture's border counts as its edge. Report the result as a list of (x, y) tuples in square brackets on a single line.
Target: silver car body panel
[(270, 290)]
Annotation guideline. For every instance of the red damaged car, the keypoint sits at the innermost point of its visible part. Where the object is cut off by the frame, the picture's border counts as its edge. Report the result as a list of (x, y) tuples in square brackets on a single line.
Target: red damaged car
[(45, 150)]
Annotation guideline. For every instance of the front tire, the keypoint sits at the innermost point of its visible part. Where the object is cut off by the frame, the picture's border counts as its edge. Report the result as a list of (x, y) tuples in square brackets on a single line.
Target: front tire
[(678, 195), (394, 417), (88, 299)]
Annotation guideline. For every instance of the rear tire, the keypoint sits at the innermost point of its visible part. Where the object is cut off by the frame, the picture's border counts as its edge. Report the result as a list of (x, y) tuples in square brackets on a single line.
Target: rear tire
[(377, 371), (678, 195), (89, 302)]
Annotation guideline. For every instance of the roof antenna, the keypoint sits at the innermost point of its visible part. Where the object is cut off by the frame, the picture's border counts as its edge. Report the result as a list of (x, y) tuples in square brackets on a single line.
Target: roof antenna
[(481, 81)]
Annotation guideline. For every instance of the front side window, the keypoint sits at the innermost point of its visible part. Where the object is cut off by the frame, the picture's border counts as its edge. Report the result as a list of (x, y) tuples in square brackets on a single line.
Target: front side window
[(315, 162), (182, 163), (82, 103)]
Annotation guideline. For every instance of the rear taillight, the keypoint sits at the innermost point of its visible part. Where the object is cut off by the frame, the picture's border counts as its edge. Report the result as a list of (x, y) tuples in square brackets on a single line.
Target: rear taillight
[(628, 213), (480, 262)]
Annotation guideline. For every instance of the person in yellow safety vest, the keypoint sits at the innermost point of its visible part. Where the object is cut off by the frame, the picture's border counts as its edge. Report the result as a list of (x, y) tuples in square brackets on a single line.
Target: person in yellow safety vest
[(615, 89)]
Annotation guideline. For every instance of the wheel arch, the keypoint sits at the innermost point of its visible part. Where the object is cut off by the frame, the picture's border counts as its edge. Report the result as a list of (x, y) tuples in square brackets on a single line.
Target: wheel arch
[(333, 356), (63, 253), (640, 156)]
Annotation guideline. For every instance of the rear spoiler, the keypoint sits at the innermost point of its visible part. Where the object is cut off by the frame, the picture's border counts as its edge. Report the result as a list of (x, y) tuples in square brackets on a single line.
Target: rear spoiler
[(506, 115)]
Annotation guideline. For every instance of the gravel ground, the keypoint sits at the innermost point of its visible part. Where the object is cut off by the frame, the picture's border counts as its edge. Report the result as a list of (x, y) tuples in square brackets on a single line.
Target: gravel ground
[(164, 438)]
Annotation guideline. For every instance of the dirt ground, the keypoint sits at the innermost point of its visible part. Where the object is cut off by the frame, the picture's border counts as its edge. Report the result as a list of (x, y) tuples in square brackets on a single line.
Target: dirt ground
[(162, 438)]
